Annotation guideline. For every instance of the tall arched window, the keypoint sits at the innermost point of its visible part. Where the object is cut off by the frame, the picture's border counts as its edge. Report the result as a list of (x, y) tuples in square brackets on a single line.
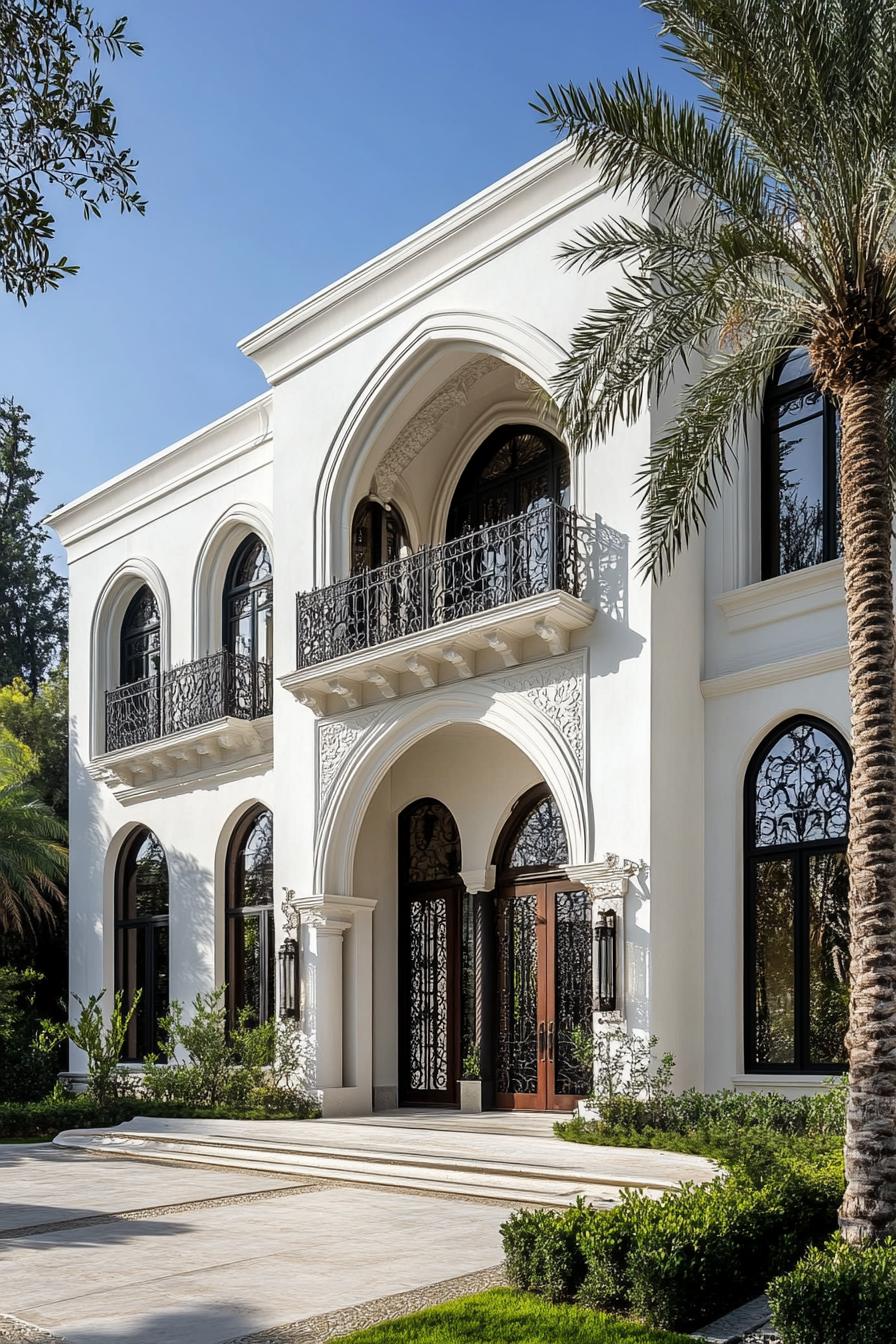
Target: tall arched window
[(249, 918), (378, 535), (249, 602), (141, 938), (800, 456), (140, 638), (797, 900), (517, 468)]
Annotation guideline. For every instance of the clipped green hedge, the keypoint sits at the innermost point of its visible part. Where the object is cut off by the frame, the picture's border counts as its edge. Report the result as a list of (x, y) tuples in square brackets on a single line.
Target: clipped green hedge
[(678, 1261), (44, 1119), (838, 1295)]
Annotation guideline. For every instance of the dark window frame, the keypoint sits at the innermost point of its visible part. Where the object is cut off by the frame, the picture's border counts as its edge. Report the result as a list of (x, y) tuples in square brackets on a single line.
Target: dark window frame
[(388, 534), (150, 658), (775, 394), (798, 855), (467, 511), (520, 812), (234, 590), (236, 913), (145, 1022)]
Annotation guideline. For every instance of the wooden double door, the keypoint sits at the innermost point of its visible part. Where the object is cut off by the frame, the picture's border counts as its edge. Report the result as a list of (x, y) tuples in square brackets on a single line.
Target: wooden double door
[(543, 936)]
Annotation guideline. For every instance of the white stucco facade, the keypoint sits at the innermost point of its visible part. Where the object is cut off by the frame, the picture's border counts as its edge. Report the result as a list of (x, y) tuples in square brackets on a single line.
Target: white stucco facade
[(638, 706)]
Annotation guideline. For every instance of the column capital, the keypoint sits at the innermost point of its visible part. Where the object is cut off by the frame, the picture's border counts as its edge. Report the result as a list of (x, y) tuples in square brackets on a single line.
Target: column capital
[(607, 878), (479, 879), (321, 910)]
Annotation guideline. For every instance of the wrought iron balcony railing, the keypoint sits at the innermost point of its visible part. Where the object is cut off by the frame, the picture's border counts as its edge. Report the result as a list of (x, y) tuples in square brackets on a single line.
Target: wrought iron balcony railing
[(536, 552), (222, 685)]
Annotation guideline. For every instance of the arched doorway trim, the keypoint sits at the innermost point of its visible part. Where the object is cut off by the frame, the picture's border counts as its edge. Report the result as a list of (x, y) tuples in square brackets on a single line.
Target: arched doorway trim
[(105, 636), (382, 738), (218, 549), (349, 467)]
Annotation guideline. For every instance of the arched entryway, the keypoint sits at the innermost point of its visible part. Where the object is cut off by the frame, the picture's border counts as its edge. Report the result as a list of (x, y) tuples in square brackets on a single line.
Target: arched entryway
[(429, 1010), (543, 942)]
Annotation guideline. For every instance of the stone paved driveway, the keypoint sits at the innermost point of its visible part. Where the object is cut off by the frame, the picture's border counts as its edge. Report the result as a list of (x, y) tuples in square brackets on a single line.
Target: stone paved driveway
[(99, 1251)]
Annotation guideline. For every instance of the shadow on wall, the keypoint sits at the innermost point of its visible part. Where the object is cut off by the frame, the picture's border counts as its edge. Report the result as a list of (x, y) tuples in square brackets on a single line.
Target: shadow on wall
[(637, 952), (605, 585)]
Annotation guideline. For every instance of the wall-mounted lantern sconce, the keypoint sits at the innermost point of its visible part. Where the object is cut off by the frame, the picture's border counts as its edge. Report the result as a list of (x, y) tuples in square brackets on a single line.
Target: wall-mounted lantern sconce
[(605, 959), (288, 966)]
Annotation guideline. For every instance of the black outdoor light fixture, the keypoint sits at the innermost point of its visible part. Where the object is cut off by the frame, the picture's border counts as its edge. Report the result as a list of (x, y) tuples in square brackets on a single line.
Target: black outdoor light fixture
[(605, 958), (288, 965)]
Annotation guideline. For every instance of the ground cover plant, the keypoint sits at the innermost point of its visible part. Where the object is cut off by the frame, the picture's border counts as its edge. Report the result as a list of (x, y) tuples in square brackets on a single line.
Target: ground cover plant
[(511, 1318)]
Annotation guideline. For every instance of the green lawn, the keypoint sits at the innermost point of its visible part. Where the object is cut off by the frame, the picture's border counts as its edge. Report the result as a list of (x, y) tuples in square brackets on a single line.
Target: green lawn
[(501, 1314)]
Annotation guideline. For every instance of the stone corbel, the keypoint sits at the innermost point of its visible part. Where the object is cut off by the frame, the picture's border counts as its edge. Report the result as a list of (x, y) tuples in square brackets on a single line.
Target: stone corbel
[(607, 882), (479, 879)]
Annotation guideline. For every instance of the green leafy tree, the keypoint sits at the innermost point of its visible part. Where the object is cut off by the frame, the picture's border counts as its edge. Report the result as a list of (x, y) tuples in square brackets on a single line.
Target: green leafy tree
[(58, 132), (38, 723), (32, 594), (33, 856), (772, 225)]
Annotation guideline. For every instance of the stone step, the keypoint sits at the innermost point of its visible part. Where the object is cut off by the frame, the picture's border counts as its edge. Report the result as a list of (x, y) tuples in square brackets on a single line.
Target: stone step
[(422, 1167)]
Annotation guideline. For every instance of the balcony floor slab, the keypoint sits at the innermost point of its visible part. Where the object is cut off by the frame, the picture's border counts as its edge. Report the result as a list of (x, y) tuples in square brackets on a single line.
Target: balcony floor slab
[(520, 632), (226, 747)]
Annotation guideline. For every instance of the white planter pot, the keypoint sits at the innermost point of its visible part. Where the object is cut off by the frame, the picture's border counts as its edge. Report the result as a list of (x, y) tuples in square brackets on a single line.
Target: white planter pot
[(470, 1094)]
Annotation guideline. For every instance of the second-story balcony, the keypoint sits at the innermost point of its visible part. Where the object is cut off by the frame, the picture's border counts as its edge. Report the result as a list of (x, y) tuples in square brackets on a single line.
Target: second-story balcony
[(505, 593), (209, 711)]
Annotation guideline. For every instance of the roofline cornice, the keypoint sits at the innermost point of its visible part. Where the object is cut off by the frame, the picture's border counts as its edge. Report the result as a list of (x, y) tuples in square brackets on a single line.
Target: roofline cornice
[(440, 242), (188, 459)]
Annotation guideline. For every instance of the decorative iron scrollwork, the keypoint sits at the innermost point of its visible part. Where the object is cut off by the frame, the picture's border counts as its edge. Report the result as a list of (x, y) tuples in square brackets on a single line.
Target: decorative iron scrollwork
[(220, 686), (802, 789), (572, 989), (517, 949), (520, 557), (541, 838)]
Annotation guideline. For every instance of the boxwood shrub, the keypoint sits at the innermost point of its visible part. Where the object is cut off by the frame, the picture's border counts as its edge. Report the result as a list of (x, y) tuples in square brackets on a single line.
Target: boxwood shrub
[(838, 1295), (680, 1260), (44, 1119)]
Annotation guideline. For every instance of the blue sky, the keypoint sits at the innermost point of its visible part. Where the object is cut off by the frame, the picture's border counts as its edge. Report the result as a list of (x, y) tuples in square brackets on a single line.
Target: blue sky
[(281, 143)]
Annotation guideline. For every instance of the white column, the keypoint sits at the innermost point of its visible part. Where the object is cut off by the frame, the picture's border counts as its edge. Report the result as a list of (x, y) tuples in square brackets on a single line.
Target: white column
[(337, 996)]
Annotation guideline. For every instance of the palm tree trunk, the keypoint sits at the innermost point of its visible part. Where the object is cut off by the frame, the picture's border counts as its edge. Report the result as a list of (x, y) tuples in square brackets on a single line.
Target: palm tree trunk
[(869, 1207)]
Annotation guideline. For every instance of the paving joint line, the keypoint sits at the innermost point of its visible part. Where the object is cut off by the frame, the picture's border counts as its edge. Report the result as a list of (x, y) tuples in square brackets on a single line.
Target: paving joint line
[(318, 1329)]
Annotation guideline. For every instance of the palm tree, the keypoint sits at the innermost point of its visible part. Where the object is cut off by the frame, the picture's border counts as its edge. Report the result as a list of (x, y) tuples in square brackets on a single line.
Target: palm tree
[(773, 226), (33, 857)]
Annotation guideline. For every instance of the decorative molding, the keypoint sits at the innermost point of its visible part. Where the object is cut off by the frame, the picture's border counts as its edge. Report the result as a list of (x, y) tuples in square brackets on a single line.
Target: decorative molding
[(783, 598), (424, 425), (335, 740), (479, 879), (772, 674), (608, 878), (557, 690)]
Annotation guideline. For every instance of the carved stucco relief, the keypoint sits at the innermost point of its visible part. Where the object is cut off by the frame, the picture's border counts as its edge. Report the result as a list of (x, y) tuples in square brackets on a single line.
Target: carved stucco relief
[(425, 424), (557, 690), (335, 740)]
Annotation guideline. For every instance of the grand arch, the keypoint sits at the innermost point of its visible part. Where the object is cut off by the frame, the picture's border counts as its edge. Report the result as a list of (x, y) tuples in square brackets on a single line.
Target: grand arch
[(400, 375), (541, 712)]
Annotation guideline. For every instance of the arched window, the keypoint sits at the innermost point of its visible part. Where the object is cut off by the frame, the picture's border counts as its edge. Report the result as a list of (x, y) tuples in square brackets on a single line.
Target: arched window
[(534, 836), (249, 603), (249, 918), (140, 638), (378, 535), (800, 457), (797, 900), (141, 938), (517, 468)]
